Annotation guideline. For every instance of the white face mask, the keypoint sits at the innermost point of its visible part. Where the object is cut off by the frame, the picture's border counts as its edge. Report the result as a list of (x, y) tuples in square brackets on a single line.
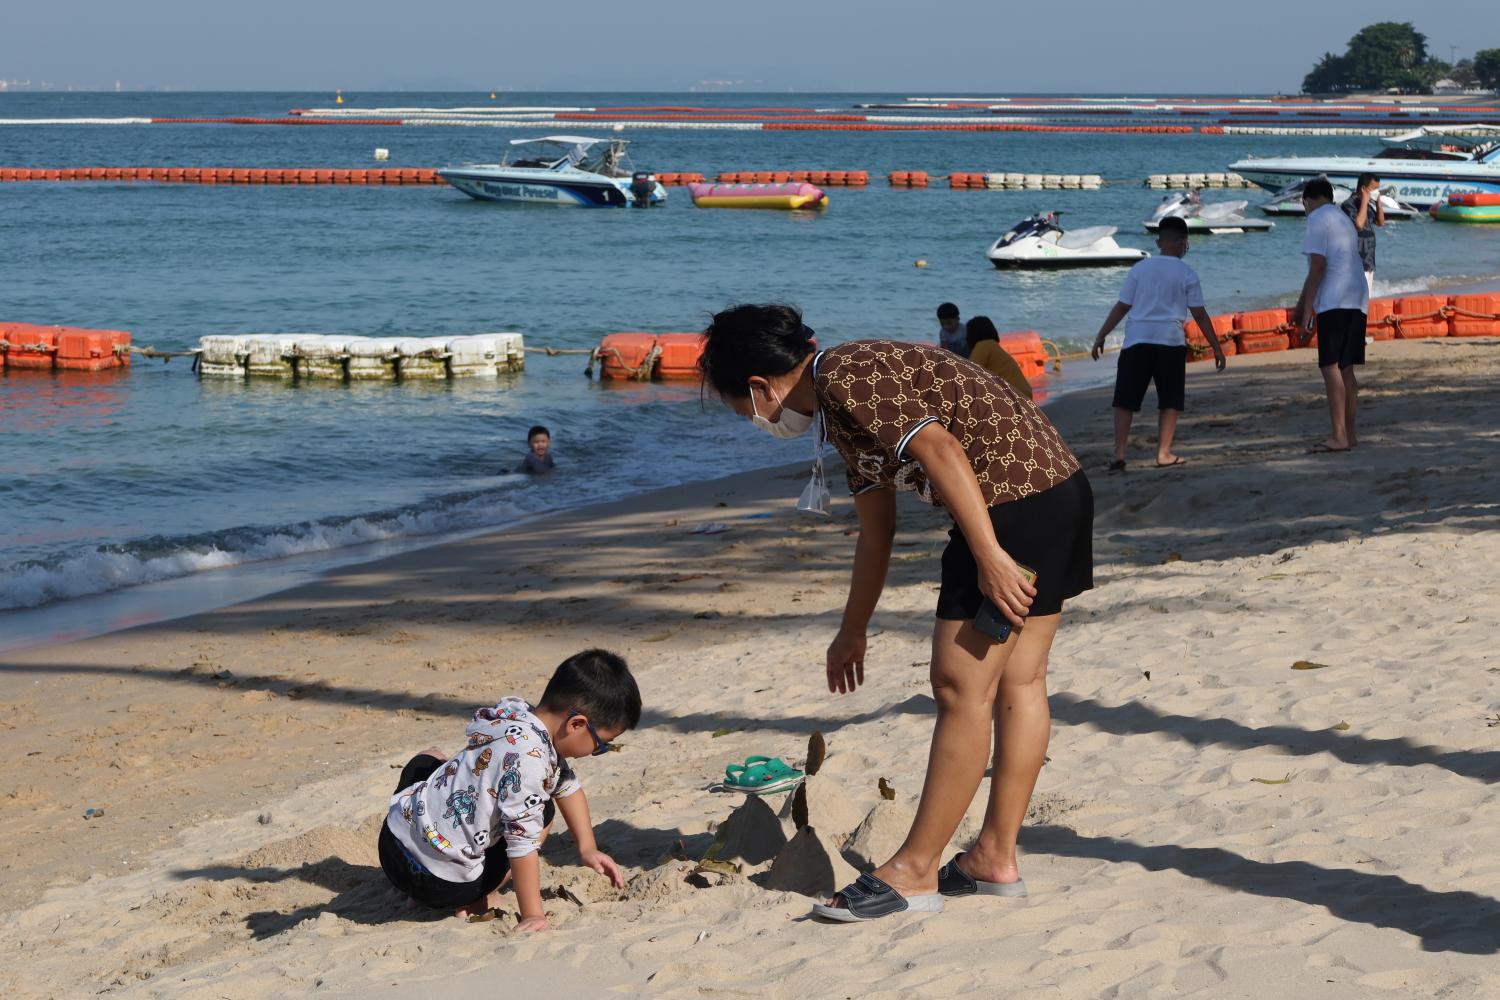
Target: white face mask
[(789, 425)]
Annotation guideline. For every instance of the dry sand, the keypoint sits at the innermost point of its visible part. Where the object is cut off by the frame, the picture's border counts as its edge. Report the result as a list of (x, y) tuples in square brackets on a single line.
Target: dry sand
[(1211, 822)]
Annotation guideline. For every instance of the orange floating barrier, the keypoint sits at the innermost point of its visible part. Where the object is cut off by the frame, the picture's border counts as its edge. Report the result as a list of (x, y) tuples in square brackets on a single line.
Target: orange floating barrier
[(679, 355), (857, 178), (7, 173), (1260, 343), (817, 178), (238, 175), (326, 176), (281, 177), (112, 173), (918, 178), (729, 177), (837, 178), (258, 176), (1421, 316), (374, 176), (359, 177), (1475, 315), (177, 174), (92, 350), (780, 177), (900, 178), (627, 355), (303, 176), (341, 176), (1025, 346), (29, 346), (1198, 349), (1263, 330), (54, 175), (795, 176), (1378, 322)]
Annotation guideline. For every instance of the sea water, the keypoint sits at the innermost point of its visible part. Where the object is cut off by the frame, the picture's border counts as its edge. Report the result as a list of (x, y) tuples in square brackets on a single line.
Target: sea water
[(121, 479)]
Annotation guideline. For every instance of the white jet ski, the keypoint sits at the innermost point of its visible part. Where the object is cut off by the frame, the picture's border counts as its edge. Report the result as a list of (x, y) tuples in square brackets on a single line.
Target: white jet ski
[(1214, 217), (1038, 241), (1288, 201)]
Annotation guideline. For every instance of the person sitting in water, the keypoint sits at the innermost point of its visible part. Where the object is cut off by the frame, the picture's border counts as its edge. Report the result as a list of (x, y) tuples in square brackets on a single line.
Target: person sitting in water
[(951, 330), (986, 352), (538, 460), (1159, 294)]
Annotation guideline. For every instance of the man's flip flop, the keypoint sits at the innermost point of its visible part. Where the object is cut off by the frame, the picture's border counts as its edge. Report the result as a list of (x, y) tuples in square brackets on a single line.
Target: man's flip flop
[(954, 881), (1117, 466), (1176, 461), (1322, 449), (868, 898)]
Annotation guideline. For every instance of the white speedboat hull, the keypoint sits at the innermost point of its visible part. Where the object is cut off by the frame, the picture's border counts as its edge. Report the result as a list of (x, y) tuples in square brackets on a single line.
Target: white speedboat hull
[(1036, 252), (544, 187), (1419, 183)]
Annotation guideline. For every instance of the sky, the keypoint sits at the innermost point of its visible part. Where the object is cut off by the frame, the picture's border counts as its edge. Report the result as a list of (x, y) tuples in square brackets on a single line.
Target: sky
[(875, 46)]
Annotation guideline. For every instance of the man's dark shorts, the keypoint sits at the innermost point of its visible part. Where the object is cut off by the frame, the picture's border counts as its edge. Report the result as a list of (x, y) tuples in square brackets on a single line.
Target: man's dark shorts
[(1341, 338), (1143, 364)]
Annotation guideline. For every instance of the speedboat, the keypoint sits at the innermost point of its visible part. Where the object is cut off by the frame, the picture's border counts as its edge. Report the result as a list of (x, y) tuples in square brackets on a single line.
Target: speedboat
[(1214, 217), (560, 170), (1422, 167), (1288, 201), (1038, 241)]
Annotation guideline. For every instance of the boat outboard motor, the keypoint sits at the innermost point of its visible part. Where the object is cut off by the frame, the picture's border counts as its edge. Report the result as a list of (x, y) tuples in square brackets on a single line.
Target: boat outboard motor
[(642, 186)]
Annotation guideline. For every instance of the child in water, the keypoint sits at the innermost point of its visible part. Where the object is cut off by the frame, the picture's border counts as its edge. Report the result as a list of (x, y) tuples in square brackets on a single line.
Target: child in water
[(538, 460), (456, 828)]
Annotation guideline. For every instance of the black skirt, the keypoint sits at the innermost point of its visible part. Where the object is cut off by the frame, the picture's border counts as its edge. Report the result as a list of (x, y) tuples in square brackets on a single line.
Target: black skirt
[(1052, 532)]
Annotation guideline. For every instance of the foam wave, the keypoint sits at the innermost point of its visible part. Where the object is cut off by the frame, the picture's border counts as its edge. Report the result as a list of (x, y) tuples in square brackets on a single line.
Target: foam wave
[(1428, 283), (103, 570)]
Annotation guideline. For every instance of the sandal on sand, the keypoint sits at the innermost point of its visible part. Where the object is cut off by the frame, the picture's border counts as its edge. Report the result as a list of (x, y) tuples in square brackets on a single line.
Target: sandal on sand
[(1179, 460), (1117, 466), (760, 776), (868, 898), (1322, 449), (954, 881)]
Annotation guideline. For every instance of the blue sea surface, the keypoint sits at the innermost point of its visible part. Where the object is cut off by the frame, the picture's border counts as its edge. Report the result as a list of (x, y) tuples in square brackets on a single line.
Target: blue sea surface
[(119, 479)]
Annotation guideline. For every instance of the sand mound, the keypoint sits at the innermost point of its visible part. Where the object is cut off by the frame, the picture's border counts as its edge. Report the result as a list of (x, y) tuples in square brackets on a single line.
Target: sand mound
[(752, 834), (811, 865), (822, 803), (877, 838)]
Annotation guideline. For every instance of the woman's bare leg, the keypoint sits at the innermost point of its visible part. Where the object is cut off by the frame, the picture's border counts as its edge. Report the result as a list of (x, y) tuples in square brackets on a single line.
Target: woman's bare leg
[(966, 671), (1023, 725)]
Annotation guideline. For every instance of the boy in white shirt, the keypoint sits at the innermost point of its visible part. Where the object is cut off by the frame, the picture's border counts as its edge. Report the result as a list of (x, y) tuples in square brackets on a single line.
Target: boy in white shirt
[(1334, 300), (1159, 294), (456, 828)]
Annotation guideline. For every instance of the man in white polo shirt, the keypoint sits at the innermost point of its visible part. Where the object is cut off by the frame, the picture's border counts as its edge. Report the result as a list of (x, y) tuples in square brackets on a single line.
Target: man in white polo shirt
[(1159, 294), (1333, 304)]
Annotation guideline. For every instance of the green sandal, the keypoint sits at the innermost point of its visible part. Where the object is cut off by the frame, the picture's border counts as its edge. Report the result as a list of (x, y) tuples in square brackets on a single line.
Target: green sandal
[(760, 776)]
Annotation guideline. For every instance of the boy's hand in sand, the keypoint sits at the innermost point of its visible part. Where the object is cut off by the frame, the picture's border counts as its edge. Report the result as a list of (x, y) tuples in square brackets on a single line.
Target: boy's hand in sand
[(846, 661), (604, 865), (533, 924)]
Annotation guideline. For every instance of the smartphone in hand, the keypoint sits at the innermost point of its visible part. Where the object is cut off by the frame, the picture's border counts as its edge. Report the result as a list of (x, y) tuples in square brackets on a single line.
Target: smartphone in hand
[(991, 621)]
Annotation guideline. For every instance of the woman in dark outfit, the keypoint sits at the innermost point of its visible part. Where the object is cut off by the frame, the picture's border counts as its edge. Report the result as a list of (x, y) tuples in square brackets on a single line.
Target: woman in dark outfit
[(914, 417)]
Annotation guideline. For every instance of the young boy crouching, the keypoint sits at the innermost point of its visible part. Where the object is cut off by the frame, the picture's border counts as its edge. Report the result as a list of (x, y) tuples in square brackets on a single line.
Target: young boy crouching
[(457, 827)]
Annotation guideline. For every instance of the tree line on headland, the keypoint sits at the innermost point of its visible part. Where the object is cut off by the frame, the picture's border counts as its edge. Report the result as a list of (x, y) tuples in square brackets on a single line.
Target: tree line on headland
[(1393, 55)]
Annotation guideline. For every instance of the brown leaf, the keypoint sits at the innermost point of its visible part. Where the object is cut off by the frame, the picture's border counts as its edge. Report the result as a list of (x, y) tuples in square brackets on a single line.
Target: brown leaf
[(886, 791), (817, 749)]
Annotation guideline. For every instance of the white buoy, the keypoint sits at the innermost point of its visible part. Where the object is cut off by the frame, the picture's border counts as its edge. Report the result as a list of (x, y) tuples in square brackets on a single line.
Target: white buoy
[(382, 153)]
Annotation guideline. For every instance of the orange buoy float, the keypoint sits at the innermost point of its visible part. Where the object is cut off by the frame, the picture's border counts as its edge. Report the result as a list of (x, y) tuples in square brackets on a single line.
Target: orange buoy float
[(680, 353), (92, 350), (627, 356), (1198, 349), (1420, 316), (1025, 346), (1476, 315), (1263, 330), (1378, 322)]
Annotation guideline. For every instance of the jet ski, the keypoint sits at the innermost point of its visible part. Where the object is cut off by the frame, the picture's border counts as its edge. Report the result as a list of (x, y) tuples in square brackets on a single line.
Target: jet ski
[(1215, 217), (1038, 241), (1288, 201)]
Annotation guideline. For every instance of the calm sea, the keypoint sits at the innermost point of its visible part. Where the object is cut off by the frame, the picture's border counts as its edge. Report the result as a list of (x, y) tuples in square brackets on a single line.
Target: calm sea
[(113, 482)]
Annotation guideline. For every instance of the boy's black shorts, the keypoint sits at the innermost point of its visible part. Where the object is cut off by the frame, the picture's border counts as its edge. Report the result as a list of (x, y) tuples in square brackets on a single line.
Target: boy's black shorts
[(406, 873), (1341, 338), (1143, 364)]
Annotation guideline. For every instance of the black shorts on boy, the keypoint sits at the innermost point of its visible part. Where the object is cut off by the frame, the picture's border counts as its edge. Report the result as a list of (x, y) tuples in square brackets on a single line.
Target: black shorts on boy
[(1341, 338), (1142, 364), (406, 873)]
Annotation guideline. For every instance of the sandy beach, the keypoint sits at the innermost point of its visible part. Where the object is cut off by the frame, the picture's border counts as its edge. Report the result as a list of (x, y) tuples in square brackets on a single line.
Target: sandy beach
[(1275, 749)]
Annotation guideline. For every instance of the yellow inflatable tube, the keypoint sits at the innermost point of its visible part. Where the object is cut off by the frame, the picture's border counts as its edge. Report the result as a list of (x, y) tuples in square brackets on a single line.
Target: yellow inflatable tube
[(775, 196)]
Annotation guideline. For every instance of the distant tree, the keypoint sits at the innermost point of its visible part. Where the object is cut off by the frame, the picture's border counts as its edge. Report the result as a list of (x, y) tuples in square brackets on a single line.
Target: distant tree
[(1380, 56), (1463, 73), (1329, 75), (1487, 68)]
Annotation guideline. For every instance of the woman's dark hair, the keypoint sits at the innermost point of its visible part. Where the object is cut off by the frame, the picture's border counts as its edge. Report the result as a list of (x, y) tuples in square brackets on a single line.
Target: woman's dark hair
[(598, 684), (979, 328), (752, 340)]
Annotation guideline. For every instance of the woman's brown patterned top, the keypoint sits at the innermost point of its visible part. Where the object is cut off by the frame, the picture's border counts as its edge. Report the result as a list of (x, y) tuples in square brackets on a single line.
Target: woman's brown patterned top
[(876, 394)]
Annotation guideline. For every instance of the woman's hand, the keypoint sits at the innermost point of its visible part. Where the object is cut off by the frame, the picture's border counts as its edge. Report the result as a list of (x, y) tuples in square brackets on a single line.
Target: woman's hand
[(1001, 580), (846, 661), (604, 865)]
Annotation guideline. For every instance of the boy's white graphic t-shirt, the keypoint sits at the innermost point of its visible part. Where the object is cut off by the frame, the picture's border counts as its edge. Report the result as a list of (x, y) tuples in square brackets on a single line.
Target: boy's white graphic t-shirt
[(497, 787), (1333, 237), (1159, 292)]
